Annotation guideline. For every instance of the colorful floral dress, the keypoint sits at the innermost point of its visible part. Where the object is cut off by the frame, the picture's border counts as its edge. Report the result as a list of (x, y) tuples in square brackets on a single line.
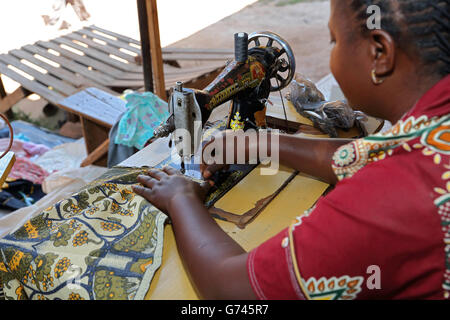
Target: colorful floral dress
[(383, 232)]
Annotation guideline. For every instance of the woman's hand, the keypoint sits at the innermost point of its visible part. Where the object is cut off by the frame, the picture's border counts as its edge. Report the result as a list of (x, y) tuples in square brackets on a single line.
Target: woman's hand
[(208, 167), (214, 153), (161, 187)]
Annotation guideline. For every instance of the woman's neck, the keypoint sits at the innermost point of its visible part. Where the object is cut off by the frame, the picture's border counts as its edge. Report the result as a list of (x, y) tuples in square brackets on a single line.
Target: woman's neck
[(402, 95)]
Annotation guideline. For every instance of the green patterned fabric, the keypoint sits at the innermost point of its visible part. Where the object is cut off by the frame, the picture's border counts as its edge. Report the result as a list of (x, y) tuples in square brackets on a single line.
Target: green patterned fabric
[(104, 242)]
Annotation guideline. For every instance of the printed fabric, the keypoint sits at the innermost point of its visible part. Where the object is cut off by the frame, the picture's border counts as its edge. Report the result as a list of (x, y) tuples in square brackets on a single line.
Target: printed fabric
[(383, 232), (105, 242)]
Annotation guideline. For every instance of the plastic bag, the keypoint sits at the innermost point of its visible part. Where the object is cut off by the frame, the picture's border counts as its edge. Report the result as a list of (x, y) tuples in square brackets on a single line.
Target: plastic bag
[(303, 91), (326, 116)]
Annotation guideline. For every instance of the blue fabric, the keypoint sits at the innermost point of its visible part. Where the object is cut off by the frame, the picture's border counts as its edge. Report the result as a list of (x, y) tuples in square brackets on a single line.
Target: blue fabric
[(145, 111)]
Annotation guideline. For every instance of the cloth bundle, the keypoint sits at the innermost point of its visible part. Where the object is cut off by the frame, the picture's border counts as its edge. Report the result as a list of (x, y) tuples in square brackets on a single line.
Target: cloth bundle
[(104, 242), (145, 111)]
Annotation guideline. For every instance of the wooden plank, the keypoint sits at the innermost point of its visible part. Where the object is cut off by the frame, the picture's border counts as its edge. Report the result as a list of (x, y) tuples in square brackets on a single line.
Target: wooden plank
[(6, 164), (275, 110), (146, 56), (99, 56), (60, 72), (171, 71), (33, 86), (194, 76), (203, 80), (165, 50), (75, 67), (2, 88), (116, 35), (131, 84), (95, 105), (89, 62), (101, 47), (115, 43), (97, 154), (155, 46), (11, 99), (48, 80), (169, 54), (94, 75), (195, 73), (131, 76), (196, 57), (94, 136), (225, 52)]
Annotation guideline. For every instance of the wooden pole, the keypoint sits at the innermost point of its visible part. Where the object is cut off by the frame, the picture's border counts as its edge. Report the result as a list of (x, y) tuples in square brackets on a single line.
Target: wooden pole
[(2, 89), (145, 46), (155, 46), (150, 40)]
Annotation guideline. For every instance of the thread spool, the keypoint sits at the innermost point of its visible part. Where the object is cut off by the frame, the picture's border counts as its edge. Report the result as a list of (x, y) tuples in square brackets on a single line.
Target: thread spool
[(241, 47)]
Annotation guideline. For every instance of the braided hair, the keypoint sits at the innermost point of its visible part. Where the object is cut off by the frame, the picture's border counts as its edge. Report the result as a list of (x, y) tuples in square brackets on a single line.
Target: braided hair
[(421, 25)]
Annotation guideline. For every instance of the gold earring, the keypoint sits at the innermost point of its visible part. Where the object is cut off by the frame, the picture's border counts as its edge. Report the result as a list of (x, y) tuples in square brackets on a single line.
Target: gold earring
[(375, 78)]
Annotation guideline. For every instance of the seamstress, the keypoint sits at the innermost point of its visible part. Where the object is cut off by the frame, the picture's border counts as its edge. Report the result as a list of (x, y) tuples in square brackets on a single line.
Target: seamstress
[(383, 232)]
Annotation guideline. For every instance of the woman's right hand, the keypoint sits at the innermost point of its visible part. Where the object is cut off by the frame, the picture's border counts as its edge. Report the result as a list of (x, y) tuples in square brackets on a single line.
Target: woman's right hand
[(209, 167)]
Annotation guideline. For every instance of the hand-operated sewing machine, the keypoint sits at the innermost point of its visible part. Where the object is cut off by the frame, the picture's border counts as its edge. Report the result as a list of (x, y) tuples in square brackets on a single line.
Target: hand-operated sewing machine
[(247, 81)]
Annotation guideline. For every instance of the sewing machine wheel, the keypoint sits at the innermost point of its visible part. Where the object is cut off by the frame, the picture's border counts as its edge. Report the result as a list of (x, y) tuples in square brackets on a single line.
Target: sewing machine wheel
[(285, 59)]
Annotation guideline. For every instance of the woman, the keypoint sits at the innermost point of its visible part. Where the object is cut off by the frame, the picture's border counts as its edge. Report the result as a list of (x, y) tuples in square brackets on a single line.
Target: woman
[(383, 232)]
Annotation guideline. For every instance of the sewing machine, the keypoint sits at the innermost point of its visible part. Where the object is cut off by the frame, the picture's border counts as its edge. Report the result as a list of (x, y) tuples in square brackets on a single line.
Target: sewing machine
[(264, 62)]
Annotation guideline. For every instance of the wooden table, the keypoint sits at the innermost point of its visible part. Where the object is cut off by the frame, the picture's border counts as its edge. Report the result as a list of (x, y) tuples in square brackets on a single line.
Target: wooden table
[(98, 112), (171, 280)]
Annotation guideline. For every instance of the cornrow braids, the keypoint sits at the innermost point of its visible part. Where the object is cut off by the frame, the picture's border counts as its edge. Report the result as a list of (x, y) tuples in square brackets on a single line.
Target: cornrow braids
[(421, 25)]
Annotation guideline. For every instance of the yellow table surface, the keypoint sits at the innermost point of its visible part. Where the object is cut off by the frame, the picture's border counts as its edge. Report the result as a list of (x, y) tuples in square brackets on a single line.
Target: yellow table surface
[(171, 280)]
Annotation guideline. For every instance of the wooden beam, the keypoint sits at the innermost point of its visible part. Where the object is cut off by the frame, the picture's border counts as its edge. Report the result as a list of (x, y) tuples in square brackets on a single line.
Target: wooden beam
[(155, 46), (150, 39), (96, 154), (95, 137), (145, 46), (11, 99), (6, 164), (2, 88)]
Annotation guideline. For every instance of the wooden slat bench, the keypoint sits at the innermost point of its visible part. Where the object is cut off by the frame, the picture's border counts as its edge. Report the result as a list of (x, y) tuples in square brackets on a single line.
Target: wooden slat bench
[(96, 57), (98, 112)]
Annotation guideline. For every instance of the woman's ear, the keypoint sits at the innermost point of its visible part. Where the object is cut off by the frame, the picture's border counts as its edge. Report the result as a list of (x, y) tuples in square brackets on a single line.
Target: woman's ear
[(382, 52)]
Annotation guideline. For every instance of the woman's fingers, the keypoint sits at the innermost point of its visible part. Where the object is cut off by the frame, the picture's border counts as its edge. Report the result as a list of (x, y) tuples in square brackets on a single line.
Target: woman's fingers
[(169, 170), (146, 180), (206, 185), (142, 191), (208, 171), (157, 174)]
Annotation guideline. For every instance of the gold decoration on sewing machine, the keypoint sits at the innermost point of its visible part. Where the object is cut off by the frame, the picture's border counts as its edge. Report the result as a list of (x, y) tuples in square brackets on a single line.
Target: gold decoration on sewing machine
[(236, 124)]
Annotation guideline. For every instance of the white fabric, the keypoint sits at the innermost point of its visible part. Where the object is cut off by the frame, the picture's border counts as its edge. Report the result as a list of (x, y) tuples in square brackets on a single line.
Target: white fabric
[(60, 185), (64, 156)]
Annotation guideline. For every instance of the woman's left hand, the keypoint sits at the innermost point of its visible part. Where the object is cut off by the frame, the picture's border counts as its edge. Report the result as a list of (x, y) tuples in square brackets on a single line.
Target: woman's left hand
[(160, 187)]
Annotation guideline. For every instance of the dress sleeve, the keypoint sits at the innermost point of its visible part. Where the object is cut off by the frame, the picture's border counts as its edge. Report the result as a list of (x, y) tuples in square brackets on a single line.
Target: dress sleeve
[(360, 241)]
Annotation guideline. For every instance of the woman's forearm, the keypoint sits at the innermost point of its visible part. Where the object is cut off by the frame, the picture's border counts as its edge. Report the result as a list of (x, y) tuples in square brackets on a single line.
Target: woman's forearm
[(210, 255), (312, 156)]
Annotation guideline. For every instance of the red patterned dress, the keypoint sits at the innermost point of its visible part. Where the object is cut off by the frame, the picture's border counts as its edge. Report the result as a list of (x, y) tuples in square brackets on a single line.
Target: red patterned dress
[(383, 232)]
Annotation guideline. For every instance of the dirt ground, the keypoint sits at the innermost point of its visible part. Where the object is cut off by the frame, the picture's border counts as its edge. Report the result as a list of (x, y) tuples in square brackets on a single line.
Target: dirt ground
[(303, 25)]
